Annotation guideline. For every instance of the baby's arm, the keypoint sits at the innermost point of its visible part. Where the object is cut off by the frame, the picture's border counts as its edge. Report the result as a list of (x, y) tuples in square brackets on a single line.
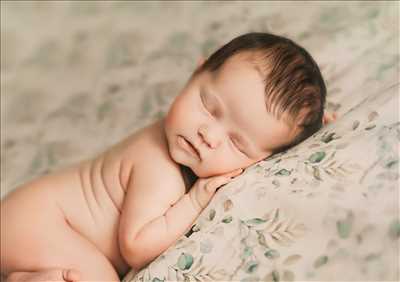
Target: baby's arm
[(154, 213), (152, 220)]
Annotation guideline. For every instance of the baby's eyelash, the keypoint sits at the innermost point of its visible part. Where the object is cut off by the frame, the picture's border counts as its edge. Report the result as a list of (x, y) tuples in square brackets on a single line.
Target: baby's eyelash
[(202, 100), (236, 146), (233, 142), (204, 103)]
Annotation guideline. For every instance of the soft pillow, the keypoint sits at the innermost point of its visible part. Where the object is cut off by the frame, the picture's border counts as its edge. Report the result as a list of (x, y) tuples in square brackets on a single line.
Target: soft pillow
[(326, 209)]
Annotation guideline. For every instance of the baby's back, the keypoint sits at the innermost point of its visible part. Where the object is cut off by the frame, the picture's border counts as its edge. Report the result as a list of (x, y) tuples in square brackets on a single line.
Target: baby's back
[(89, 196)]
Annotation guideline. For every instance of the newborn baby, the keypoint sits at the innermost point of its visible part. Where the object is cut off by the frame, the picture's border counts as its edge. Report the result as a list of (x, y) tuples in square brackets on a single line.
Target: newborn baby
[(256, 96)]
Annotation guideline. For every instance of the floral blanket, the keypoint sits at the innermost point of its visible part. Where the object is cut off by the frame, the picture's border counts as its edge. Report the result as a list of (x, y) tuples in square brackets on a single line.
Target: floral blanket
[(77, 77)]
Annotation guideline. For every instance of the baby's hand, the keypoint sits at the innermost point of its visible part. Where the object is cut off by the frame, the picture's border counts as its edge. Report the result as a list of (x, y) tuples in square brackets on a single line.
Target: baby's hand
[(204, 188), (329, 117)]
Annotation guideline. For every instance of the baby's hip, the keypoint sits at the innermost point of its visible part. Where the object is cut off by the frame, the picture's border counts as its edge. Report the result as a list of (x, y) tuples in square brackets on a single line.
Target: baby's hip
[(52, 203), (33, 241)]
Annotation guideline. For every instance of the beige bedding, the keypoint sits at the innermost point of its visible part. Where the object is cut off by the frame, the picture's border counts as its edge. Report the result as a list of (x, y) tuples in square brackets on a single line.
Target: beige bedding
[(77, 77)]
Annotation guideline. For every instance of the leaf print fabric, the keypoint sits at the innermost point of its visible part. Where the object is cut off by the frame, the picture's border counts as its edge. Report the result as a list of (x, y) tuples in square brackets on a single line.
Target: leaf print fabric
[(325, 210)]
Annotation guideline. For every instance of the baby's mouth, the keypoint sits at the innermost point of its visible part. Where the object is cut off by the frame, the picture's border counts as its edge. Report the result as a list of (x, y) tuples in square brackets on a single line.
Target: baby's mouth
[(193, 147)]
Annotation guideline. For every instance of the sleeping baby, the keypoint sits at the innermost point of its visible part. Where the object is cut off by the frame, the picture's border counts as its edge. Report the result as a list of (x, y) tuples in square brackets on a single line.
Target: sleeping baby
[(258, 95)]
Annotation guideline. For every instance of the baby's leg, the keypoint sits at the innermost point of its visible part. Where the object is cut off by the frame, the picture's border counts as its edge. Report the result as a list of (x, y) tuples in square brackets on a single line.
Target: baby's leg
[(50, 243), (67, 275)]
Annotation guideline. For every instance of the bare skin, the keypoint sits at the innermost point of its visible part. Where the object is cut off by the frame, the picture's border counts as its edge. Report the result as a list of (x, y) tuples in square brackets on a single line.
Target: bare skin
[(329, 118), (75, 214), (48, 274), (70, 219), (78, 220)]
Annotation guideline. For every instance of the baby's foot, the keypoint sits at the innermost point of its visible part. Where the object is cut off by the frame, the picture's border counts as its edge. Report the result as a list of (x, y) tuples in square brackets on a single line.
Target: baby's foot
[(53, 275)]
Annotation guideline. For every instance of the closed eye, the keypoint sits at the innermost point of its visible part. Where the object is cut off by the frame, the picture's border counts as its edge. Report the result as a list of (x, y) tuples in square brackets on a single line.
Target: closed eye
[(203, 100), (214, 114), (237, 147)]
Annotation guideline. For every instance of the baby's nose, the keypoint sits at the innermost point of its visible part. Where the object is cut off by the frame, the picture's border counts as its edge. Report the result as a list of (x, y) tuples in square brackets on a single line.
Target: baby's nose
[(211, 138), (213, 142)]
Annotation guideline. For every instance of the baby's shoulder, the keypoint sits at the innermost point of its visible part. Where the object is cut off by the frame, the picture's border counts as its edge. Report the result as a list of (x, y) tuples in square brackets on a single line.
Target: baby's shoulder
[(152, 164), (149, 145)]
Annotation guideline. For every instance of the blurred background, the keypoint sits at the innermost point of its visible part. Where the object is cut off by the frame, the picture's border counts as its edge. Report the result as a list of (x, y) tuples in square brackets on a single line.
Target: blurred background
[(78, 76)]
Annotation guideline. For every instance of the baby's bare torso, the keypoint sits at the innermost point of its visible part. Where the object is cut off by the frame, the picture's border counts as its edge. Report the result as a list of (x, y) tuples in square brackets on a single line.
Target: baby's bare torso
[(89, 196)]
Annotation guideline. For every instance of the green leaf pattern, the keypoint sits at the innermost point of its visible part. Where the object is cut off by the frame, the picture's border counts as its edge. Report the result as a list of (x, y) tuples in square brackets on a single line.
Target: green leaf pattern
[(327, 206)]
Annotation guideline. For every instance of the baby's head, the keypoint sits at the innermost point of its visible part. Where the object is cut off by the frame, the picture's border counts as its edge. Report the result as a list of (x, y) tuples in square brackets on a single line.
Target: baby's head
[(258, 95)]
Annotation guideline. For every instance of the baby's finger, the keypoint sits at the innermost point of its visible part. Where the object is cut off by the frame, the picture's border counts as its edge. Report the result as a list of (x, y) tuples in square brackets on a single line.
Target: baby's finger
[(236, 172), (215, 183)]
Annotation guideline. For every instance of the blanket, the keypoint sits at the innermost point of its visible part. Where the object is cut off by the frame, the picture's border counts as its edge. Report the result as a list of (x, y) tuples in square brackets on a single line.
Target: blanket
[(78, 76)]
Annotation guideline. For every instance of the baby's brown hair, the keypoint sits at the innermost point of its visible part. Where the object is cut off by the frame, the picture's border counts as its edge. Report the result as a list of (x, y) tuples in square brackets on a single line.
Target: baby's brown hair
[(292, 78)]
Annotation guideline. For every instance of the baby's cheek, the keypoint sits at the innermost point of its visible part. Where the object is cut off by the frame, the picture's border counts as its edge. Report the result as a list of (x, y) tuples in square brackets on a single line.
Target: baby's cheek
[(171, 115), (219, 166), (179, 115)]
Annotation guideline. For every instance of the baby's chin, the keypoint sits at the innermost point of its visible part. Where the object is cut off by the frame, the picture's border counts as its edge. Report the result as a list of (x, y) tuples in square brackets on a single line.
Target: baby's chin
[(203, 172), (199, 169), (200, 172)]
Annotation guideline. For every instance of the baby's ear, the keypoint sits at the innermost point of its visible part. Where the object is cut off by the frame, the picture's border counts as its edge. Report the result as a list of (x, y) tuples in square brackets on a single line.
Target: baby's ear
[(329, 117), (200, 61)]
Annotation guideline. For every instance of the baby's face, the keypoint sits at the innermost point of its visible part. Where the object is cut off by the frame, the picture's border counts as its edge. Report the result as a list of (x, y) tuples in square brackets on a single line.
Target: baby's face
[(224, 117)]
